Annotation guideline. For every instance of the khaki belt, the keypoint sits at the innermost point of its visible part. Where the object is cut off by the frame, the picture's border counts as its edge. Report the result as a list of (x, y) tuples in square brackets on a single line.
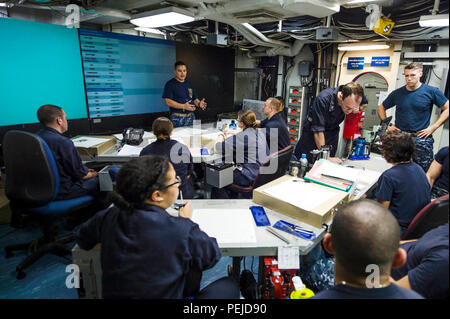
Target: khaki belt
[(182, 114), (413, 134)]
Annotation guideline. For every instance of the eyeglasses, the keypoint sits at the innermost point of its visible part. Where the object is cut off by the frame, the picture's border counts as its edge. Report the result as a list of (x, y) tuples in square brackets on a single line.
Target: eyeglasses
[(178, 181)]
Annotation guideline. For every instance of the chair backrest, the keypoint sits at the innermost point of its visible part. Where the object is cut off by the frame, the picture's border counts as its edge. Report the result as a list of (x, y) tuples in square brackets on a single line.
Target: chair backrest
[(32, 177), (280, 160), (431, 216)]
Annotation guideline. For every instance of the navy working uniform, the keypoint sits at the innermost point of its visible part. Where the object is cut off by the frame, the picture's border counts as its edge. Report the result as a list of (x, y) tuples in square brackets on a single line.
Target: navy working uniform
[(413, 113), (440, 186), (182, 162), (406, 187), (180, 92), (248, 150), (278, 123), (325, 115), (70, 167), (427, 263), (147, 253)]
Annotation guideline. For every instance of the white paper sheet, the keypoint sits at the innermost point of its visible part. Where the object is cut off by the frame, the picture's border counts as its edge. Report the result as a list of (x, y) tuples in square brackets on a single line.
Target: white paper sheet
[(338, 171), (86, 141), (300, 194), (227, 226), (382, 96), (288, 258), (148, 135), (130, 150), (187, 131)]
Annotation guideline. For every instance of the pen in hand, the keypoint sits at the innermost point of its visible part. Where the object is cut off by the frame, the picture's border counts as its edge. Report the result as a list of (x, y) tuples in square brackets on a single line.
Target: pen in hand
[(177, 206)]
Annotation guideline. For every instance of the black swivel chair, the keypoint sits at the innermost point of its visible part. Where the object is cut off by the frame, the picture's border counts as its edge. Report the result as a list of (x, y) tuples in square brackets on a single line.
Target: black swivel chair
[(32, 183), (279, 159)]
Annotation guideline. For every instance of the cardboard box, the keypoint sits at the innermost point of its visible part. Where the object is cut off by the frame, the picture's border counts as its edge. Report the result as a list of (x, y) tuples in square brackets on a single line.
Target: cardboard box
[(97, 149), (319, 215)]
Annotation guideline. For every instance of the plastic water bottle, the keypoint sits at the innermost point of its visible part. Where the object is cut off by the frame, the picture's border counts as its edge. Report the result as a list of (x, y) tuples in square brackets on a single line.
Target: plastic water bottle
[(300, 291), (303, 166)]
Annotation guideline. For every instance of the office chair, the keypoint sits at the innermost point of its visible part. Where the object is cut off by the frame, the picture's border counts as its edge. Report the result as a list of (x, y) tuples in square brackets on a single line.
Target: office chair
[(429, 217), (32, 183), (282, 157)]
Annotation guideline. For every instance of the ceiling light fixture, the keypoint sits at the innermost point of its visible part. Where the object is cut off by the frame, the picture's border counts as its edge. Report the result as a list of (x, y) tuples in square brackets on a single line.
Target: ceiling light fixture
[(149, 30), (363, 46), (435, 20), (162, 17)]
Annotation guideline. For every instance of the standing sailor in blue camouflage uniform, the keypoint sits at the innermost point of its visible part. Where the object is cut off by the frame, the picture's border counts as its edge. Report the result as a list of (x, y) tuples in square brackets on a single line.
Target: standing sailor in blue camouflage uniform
[(414, 103)]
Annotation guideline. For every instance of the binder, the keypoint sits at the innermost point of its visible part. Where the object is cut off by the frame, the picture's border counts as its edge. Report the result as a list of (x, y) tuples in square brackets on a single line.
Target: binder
[(332, 175)]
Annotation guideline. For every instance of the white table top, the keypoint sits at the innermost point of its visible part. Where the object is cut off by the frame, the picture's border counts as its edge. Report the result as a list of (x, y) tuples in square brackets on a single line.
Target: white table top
[(266, 243), (179, 134)]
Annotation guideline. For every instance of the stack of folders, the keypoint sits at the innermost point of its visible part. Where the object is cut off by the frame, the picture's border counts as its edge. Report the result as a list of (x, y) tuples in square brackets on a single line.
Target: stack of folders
[(332, 175)]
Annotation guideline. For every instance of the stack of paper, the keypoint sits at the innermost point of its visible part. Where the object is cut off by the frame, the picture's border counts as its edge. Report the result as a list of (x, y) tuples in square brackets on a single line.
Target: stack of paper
[(300, 194), (86, 141), (130, 150), (333, 175)]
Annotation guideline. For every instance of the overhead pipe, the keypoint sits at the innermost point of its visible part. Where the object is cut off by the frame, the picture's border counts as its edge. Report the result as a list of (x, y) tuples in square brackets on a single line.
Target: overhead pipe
[(292, 51)]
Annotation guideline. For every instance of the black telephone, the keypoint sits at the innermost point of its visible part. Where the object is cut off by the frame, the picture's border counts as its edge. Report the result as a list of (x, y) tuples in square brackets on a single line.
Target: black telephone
[(133, 136)]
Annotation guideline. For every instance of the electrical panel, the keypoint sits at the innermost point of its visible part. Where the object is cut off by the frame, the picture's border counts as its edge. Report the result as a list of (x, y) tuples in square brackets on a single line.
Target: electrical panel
[(216, 39), (304, 68), (296, 111), (327, 34)]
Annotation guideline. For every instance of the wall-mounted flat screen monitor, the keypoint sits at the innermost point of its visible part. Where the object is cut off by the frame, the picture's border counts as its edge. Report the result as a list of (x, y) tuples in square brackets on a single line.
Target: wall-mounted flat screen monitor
[(40, 64), (125, 74)]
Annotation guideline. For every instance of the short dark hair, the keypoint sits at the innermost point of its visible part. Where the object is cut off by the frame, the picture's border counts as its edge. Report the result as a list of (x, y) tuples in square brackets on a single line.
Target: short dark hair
[(138, 179), (365, 233), (179, 63), (47, 113), (162, 128), (352, 88), (397, 147), (414, 65)]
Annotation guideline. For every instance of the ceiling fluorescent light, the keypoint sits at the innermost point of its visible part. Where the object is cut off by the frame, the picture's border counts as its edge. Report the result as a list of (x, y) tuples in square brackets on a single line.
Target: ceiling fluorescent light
[(360, 1), (436, 20), (363, 46), (162, 17)]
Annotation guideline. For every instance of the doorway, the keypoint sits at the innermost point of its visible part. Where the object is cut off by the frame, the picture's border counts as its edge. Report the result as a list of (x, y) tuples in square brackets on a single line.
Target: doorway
[(374, 85)]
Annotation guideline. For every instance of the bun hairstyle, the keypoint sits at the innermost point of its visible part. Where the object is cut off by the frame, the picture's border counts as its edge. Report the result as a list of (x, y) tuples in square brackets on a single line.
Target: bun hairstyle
[(162, 128), (248, 118), (138, 179)]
